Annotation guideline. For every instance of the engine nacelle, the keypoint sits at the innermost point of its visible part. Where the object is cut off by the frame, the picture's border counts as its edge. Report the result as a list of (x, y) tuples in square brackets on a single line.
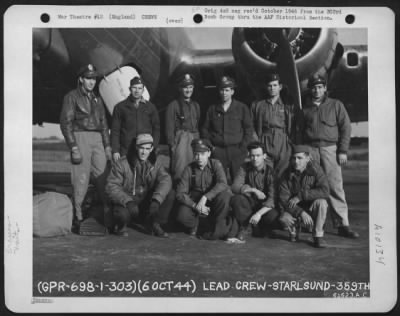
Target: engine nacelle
[(256, 51)]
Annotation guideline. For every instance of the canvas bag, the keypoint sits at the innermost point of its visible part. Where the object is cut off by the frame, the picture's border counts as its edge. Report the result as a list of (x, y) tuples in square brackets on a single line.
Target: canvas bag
[(52, 214)]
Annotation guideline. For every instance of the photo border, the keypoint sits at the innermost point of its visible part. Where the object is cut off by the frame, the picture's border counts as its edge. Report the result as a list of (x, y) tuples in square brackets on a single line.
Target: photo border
[(18, 119)]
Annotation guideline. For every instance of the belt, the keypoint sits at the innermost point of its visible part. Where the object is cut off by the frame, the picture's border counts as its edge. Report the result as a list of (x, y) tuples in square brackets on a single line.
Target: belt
[(272, 128), (273, 131), (186, 130)]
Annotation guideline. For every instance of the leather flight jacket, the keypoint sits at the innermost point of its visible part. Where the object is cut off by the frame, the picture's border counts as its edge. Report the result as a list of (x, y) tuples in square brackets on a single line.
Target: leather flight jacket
[(83, 111)]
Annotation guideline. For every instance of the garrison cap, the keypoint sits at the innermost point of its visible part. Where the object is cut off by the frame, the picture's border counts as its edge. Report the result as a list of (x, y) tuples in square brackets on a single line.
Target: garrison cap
[(297, 149), (272, 77), (186, 80), (201, 145), (87, 71), (144, 139), (316, 79), (136, 80), (226, 82)]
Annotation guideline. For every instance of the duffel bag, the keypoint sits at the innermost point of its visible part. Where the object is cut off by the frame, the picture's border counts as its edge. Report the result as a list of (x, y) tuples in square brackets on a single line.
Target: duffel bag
[(52, 214)]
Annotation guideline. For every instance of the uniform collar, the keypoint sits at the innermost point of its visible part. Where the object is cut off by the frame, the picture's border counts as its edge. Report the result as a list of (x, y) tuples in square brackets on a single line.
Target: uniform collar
[(133, 159), (220, 108), (208, 165), (141, 100), (263, 169), (278, 102), (85, 93), (309, 170), (311, 102), (138, 162), (181, 99)]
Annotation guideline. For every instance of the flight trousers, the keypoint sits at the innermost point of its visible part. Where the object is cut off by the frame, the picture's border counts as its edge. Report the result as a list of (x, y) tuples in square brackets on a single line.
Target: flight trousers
[(244, 207), (93, 163), (181, 152), (231, 158), (217, 218), (278, 147), (122, 217), (317, 209), (327, 158)]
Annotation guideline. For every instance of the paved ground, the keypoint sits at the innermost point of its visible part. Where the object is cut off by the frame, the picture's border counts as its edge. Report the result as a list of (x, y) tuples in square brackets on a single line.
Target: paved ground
[(142, 265)]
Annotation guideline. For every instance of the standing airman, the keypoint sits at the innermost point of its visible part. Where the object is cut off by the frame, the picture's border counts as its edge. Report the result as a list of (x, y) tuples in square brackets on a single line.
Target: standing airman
[(131, 117), (327, 130), (229, 128), (274, 124), (182, 126), (84, 126)]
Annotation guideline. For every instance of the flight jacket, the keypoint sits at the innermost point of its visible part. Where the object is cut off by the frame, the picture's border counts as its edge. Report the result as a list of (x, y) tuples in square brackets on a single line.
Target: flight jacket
[(249, 177), (210, 182), (308, 186), (233, 127), (327, 124), (83, 112), (129, 121), (121, 181)]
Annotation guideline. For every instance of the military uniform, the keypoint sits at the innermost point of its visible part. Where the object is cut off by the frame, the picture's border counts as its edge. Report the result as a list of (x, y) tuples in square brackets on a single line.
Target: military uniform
[(131, 118), (312, 189), (84, 126), (211, 183), (229, 131), (136, 188), (182, 127), (327, 130), (274, 125), (245, 205)]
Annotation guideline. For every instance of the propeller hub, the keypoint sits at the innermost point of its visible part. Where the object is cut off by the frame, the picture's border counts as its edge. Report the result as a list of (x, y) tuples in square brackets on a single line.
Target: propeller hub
[(265, 42)]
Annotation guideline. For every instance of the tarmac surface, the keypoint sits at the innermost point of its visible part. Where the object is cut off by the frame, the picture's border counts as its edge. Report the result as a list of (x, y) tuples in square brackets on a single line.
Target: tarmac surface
[(180, 266)]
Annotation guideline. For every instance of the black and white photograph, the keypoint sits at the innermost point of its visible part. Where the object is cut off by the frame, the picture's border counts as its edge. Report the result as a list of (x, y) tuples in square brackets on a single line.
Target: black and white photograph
[(194, 159)]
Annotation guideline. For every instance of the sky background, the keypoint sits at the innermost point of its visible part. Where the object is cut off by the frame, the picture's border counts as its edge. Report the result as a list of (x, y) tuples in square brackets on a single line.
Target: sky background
[(345, 36)]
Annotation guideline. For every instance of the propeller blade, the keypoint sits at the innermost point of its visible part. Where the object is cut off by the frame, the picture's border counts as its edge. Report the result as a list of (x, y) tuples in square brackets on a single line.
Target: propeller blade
[(287, 69)]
